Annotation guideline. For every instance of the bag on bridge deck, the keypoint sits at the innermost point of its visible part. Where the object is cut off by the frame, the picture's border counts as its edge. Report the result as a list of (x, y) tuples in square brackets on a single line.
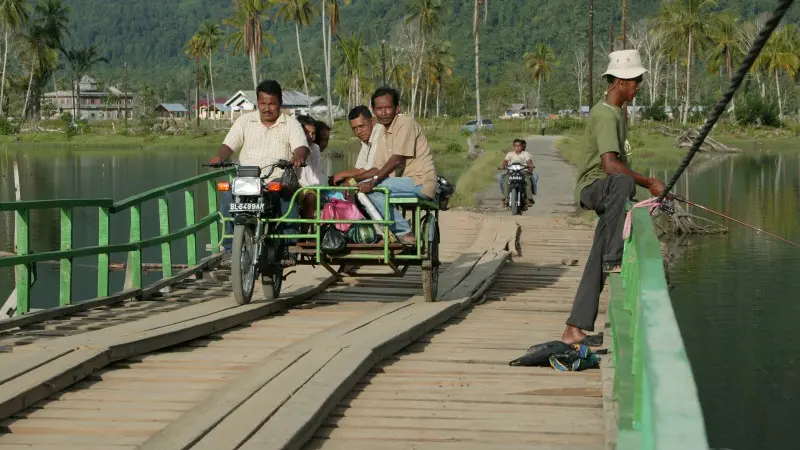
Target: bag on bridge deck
[(558, 355)]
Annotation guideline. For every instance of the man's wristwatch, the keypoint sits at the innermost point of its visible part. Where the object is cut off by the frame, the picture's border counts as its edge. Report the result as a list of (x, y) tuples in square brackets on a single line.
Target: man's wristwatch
[(375, 179)]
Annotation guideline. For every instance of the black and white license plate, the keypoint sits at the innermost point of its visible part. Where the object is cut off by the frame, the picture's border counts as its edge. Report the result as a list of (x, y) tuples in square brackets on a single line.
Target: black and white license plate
[(247, 207)]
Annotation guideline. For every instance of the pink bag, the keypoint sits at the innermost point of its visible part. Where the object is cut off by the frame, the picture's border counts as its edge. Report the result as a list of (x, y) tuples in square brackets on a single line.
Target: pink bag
[(337, 209)]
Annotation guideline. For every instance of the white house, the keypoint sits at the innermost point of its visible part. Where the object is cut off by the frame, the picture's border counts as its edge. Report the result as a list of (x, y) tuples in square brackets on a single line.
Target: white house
[(94, 103), (295, 103)]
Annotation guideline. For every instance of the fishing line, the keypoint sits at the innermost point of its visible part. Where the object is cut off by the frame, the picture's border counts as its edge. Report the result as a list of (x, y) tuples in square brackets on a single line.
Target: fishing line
[(688, 202), (738, 77)]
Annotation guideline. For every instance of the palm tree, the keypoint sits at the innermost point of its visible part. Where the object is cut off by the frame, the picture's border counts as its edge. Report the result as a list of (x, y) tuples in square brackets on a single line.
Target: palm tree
[(427, 15), (781, 55), (540, 62), (81, 60), (352, 56), (195, 51), (440, 64), (210, 37), (475, 24), (723, 36), (300, 12), (331, 13), (42, 59), (53, 16), (249, 35), (13, 15), (688, 21)]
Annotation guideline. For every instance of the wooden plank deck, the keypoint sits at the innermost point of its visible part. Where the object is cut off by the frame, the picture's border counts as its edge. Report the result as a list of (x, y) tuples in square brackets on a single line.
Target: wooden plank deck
[(124, 404), (453, 388)]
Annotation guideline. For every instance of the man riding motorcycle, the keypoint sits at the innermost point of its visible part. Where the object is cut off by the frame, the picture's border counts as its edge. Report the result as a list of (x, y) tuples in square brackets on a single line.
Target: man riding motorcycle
[(518, 156)]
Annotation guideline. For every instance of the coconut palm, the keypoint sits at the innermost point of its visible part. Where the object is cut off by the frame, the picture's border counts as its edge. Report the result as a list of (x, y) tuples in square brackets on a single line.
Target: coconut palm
[(41, 60), (53, 17), (249, 36), (475, 38), (688, 21), (353, 57), (195, 51), (13, 15), (300, 12), (540, 62), (331, 17), (81, 61), (440, 64), (210, 37), (426, 13), (781, 55)]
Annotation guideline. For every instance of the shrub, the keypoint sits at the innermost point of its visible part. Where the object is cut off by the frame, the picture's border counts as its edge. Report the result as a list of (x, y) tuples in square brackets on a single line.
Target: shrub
[(450, 147), (755, 111), (655, 111), (8, 127), (564, 124)]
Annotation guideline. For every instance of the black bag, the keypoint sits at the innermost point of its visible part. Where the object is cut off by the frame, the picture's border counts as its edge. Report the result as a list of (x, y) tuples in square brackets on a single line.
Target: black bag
[(289, 183), (333, 240), (444, 190)]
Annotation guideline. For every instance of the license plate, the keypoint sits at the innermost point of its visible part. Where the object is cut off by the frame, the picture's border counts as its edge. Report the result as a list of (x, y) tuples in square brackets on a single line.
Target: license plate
[(247, 207)]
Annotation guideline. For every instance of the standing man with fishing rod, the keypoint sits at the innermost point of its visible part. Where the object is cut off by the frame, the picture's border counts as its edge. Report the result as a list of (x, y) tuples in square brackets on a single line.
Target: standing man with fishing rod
[(605, 183)]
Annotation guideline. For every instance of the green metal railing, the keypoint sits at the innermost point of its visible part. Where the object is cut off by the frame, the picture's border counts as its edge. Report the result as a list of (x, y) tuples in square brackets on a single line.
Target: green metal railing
[(654, 389), (24, 259)]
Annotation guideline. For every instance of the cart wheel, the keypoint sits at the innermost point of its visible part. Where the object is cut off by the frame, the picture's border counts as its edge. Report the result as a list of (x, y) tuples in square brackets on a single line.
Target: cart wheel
[(430, 266)]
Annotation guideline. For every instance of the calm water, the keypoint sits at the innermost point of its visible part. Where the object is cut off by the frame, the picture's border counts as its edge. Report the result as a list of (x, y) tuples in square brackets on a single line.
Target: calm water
[(76, 173), (737, 299)]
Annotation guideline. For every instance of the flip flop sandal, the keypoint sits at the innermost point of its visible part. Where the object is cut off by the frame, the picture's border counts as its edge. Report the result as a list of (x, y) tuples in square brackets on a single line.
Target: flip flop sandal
[(593, 340)]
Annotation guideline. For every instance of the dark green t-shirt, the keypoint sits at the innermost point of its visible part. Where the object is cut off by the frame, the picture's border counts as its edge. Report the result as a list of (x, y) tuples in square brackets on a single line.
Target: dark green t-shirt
[(606, 131)]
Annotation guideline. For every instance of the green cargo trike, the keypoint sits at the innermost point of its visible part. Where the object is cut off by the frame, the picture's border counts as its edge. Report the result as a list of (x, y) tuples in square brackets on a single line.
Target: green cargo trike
[(266, 240)]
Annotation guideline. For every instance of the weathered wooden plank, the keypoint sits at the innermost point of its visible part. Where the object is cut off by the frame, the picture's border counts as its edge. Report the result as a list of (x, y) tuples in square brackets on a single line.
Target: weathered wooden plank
[(13, 365), (21, 392), (478, 434), (384, 444)]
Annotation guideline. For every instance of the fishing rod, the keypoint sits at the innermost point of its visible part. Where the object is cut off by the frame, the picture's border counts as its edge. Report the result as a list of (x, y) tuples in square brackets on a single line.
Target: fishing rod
[(689, 202)]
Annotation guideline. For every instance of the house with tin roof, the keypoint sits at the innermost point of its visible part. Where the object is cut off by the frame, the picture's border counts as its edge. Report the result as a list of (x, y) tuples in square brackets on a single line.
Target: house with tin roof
[(295, 103), (172, 110)]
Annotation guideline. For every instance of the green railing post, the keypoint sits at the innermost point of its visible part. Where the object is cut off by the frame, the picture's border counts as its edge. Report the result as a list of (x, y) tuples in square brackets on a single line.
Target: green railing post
[(191, 240), (103, 258), (213, 229), (133, 277), (65, 272), (23, 271), (166, 247)]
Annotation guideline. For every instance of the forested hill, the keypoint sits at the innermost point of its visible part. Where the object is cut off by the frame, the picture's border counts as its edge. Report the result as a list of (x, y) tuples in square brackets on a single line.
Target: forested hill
[(150, 34)]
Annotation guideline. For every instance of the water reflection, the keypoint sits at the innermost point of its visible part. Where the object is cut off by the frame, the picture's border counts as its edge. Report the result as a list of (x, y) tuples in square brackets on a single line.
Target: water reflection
[(736, 299)]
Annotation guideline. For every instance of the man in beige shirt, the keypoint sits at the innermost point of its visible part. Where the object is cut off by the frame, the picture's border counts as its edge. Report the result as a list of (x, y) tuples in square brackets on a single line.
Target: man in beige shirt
[(262, 138), (402, 147)]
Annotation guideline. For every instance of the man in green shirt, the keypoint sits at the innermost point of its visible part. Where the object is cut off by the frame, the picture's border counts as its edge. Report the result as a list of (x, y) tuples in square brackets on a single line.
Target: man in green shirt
[(605, 183)]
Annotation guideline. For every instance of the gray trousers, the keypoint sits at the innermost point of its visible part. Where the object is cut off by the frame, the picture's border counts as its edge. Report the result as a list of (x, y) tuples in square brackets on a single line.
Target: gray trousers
[(607, 198)]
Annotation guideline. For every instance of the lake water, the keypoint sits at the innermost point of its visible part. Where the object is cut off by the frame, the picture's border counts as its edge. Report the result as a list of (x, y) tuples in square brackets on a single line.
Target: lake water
[(737, 296)]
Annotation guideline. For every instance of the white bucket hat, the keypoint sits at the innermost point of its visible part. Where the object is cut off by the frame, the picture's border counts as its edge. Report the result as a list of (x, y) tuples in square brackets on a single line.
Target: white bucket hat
[(625, 64)]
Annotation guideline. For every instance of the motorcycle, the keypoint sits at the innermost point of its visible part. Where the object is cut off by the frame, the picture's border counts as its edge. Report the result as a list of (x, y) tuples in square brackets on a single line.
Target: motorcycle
[(517, 175), (253, 253)]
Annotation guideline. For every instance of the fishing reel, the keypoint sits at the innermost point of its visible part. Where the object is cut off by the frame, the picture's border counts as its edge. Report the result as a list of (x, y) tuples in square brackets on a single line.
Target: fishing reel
[(667, 206)]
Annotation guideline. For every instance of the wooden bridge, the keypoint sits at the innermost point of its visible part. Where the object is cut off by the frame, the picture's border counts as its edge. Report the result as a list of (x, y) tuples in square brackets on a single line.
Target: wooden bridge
[(349, 363)]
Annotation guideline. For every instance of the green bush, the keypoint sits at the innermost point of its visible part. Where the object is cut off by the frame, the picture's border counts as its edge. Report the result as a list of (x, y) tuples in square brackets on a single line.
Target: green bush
[(449, 148), (655, 111), (7, 126), (564, 125), (755, 111)]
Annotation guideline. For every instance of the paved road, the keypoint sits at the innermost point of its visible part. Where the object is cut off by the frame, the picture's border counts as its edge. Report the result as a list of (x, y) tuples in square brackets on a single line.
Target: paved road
[(556, 182)]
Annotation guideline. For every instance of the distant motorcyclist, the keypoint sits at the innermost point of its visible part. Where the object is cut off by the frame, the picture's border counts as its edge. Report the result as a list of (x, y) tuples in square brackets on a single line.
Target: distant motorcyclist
[(518, 156)]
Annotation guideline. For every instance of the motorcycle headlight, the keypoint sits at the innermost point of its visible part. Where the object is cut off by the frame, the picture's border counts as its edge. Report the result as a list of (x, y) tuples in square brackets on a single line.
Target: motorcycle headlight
[(246, 186)]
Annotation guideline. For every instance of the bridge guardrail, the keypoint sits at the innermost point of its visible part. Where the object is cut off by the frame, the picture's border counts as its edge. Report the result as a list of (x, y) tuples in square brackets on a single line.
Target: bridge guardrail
[(655, 392), (23, 259)]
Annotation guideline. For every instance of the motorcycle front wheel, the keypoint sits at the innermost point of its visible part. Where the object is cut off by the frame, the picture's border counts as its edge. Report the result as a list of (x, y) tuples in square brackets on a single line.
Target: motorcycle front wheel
[(513, 201), (243, 263)]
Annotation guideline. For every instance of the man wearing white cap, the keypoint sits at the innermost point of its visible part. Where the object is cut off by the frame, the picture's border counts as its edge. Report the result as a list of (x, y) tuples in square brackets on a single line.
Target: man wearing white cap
[(605, 183)]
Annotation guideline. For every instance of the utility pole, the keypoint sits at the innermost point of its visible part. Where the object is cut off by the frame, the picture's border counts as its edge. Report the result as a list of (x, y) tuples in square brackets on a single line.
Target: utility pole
[(624, 24), (383, 60), (125, 95), (591, 53)]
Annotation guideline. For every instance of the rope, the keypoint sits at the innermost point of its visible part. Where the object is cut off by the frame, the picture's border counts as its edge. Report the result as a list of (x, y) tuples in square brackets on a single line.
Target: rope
[(738, 77), (651, 203)]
